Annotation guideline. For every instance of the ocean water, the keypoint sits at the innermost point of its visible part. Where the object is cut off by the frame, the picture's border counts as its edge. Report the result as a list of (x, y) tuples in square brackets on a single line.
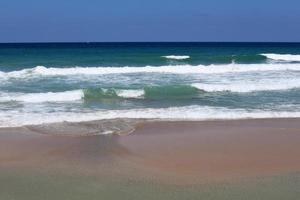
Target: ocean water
[(57, 82)]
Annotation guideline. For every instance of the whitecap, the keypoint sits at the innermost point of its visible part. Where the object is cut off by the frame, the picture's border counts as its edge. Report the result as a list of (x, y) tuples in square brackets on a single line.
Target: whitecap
[(174, 57), (43, 97), (250, 86), (282, 57), (171, 69)]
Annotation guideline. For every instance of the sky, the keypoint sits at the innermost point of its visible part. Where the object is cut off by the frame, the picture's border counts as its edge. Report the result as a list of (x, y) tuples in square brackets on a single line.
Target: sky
[(151, 20)]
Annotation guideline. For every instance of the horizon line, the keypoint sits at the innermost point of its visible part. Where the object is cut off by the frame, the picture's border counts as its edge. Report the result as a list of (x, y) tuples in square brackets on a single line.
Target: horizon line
[(57, 42)]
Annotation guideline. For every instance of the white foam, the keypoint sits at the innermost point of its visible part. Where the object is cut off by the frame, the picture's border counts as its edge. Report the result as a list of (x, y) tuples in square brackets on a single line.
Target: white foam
[(282, 57), (190, 113), (43, 97), (66, 96), (130, 93), (250, 86), (172, 69), (173, 57)]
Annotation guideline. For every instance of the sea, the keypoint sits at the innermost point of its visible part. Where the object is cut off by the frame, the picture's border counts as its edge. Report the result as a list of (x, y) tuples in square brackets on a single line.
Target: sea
[(44, 83)]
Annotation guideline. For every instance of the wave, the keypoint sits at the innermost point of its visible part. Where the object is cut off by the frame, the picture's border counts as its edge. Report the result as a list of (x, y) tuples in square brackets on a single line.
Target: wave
[(282, 57), (244, 87), (171, 69), (75, 95), (130, 93), (173, 57), (247, 59), (195, 90), (151, 92), (43, 97), (196, 113), (154, 92), (170, 92), (100, 93)]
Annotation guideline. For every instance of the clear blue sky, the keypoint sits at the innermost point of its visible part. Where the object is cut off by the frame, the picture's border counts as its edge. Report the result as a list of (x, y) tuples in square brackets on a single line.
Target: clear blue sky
[(151, 20)]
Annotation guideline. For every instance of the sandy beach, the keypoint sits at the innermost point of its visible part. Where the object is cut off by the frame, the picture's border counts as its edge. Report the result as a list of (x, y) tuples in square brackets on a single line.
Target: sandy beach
[(174, 160)]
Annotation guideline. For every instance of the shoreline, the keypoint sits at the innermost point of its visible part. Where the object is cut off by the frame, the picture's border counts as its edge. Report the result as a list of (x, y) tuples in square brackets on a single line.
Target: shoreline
[(117, 126)]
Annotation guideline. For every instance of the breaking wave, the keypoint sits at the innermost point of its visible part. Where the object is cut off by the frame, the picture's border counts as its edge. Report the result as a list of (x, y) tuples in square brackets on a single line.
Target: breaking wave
[(152, 92), (173, 57), (197, 113), (43, 97), (243, 86), (172, 69), (283, 57), (75, 95)]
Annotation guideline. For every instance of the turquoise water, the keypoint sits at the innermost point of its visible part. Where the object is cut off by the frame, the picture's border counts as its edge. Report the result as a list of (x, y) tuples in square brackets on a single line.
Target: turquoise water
[(44, 83)]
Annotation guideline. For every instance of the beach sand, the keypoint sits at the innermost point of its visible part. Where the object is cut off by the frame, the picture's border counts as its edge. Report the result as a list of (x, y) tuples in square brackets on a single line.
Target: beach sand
[(242, 159)]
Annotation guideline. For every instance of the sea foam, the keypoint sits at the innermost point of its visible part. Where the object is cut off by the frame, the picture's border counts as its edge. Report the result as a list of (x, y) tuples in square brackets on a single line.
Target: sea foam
[(155, 92), (282, 57), (190, 113), (173, 57), (171, 69), (43, 97), (250, 86), (66, 96), (130, 93)]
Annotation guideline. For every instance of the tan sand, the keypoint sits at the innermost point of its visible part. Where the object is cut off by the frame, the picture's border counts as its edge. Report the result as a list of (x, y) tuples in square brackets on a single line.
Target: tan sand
[(219, 149), (220, 160), (186, 152)]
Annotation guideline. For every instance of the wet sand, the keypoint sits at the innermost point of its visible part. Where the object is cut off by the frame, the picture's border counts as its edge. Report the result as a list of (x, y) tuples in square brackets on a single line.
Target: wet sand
[(160, 160)]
